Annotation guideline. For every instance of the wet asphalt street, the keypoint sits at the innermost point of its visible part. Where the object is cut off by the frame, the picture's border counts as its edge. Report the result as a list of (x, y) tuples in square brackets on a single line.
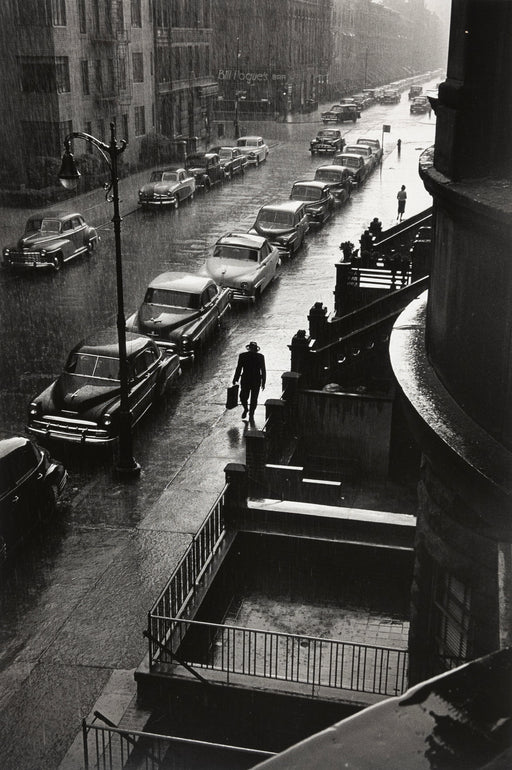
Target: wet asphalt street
[(73, 604)]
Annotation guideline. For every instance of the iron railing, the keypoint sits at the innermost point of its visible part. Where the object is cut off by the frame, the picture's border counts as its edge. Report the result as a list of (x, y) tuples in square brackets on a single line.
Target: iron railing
[(185, 579), (287, 657), (110, 748)]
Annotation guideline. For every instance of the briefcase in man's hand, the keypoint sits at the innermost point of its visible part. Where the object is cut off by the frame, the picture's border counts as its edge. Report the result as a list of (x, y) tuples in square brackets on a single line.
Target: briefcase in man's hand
[(232, 397)]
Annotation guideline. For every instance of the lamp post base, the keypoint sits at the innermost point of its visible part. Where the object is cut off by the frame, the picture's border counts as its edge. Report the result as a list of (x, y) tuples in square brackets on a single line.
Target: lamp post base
[(128, 470)]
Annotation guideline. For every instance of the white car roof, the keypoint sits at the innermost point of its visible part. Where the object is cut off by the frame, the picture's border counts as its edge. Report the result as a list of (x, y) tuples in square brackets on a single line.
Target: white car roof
[(180, 282), (243, 239)]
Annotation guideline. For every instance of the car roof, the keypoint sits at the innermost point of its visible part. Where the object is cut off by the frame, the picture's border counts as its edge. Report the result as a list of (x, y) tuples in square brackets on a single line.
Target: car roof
[(250, 136), (330, 167), (349, 154), (8, 445), (221, 147), (105, 343), (310, 183), (188, 282), (285, 206), (201, 155), (364, 140), (243, 239), (168, 168)]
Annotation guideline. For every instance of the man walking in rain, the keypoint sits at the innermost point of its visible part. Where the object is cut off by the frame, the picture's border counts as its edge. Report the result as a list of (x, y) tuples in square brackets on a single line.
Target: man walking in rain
[(251, 372)]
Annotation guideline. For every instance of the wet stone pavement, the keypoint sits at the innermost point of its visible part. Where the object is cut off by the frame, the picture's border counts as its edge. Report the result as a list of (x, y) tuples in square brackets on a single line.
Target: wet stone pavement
[(74, 604)]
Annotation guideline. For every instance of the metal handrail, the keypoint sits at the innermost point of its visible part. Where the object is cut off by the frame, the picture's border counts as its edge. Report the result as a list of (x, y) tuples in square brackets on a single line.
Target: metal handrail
[(105, 755)]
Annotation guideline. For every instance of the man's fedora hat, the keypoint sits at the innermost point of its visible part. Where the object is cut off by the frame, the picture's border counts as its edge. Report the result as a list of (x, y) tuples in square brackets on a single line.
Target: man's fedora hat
[(252, 346)]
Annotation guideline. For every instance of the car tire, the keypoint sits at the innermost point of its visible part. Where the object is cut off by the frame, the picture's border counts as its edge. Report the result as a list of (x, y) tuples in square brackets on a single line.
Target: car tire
[(50, 500), (91, 245), (191, 197), (176, 204), (207, 185), (257, 161), (229, 176)]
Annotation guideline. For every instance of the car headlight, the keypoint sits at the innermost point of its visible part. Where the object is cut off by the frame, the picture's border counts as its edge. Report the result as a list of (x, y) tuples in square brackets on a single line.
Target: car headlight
[(43, 252), (6, 252), (252, 155), (34, 409), (244, 285), (107, 420)]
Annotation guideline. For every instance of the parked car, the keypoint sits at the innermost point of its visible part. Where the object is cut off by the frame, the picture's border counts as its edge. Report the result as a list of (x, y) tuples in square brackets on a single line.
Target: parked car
[(30, 483), (254, 149), (338, 180), (245, 263), (339, 113), (83, 404), (232, 160), (391, 96), (283, 224), (206, 169), (362, 149), (415, 91), (317, 198), (374, 144), (180, 312), (355, 164), (51, 238), (327, 140), (362, 101), (167, 187), (419, 105)]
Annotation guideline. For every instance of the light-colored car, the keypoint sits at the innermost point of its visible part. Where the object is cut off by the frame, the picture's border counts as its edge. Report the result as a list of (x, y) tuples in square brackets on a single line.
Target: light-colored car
[(362, 149), (374, 144), (180, 312), (167, 187), (245, 263), (254, 149)]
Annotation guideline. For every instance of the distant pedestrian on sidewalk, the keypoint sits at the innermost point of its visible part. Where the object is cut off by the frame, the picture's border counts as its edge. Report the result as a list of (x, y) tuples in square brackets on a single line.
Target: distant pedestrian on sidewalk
[(401, 197), (251, 372), (398, 146)]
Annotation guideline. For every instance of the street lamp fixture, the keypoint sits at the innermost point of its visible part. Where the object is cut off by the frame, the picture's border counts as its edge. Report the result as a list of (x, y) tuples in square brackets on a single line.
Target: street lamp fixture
[(68, 176)]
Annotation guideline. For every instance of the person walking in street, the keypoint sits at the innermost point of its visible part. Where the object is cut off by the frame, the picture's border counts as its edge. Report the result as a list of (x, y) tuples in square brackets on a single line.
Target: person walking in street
[(401, 197), (251, 372), (398, 146)]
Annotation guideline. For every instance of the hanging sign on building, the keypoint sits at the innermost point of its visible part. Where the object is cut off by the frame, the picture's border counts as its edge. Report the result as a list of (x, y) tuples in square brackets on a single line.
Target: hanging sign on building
[(250, 77)]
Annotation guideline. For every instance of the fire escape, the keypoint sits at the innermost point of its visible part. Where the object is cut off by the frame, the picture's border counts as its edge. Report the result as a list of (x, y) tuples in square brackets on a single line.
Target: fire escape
[(110, 40)]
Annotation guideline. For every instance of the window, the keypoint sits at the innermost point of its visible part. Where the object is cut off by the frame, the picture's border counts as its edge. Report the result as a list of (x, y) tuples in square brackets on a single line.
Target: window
[(59, 13), (82, 19), (451, 618), (125, 126), (140, 121), (98, 76), (122, 73), (136, 14), (37, 74), (138, 67), (96, 14), (110, 76), (84, 68)]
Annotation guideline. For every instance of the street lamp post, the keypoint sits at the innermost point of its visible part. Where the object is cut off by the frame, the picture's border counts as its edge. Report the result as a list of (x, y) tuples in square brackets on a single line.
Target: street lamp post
[(68, 175), (237, 94)]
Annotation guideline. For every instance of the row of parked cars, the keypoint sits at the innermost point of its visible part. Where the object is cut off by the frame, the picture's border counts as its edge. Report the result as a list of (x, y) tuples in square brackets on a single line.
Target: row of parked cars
[(54, 237)]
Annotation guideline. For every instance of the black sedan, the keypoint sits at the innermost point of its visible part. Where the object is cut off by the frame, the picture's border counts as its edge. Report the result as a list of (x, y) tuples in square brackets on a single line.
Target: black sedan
[(30, 483), (338, 179), (327, 140), (317, 198), (181, 312), (232, 160), (83, 404)]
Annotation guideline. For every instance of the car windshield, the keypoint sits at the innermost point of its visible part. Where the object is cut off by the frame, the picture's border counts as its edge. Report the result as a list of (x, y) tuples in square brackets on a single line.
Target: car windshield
[(247, 142), (164, 176), (275, 217), (88, 365), (172, 298), (45, 225), (196, 160), (346, 160), (328, 134), (326, 175), (305, 193), (238, 253), (225, 152)]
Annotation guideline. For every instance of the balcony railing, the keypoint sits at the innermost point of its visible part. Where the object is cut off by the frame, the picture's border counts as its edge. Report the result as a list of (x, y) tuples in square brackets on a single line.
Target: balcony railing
[(294, 658)]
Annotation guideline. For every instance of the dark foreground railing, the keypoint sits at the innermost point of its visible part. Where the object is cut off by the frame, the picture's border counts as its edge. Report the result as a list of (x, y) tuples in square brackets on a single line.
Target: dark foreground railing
[(287, 657), (110, 748)]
